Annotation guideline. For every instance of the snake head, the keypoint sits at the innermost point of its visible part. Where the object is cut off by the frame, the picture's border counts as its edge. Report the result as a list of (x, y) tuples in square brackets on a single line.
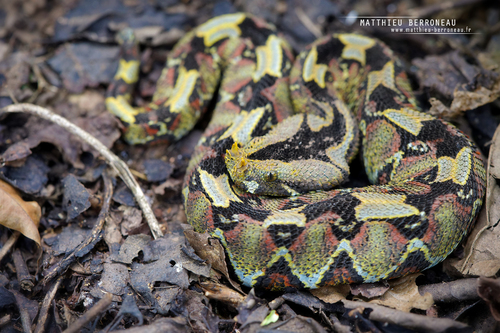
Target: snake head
[(236, 161), (278, 178), (241, 170), (254, 176)]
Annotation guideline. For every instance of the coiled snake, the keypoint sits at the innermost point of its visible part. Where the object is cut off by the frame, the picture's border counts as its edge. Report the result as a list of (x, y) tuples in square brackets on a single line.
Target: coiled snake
[(276, 214)]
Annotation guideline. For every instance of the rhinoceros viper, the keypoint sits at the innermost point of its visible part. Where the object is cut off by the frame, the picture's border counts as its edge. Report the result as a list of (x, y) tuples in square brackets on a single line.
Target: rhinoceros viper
[(260, 179)]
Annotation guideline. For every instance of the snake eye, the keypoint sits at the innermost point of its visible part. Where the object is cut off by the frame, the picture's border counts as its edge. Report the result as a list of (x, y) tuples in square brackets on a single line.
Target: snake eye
[(271, 177)]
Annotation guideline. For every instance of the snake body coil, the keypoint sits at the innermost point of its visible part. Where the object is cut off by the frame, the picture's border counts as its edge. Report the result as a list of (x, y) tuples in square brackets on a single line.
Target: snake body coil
[(261, 180)]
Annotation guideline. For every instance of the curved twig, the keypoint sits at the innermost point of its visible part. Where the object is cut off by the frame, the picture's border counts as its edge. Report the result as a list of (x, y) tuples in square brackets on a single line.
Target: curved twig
[(90, 241), (115, 162), (405, 319)]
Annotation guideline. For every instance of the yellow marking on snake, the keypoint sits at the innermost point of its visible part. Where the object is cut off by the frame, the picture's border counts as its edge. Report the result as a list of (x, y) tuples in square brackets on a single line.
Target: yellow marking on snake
[(312, 70), (457, 169), (243, 125), (382, 206), (338, 154), (220, 28), (291, 124), (369, 272), (417, 244), (408, 119), (218, 189), (128, 71), (385, 77), (371, 259), (365, 263), (355, 46), (316, 123), (119, 106), (183, 89), (269, 58), (291, 216)]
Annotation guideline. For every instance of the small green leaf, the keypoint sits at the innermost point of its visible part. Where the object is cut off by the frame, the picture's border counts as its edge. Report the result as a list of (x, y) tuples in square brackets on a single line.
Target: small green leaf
[(272, 317)]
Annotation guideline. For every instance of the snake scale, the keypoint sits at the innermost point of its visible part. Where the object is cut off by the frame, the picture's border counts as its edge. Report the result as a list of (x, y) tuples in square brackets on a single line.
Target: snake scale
[(261, 179)]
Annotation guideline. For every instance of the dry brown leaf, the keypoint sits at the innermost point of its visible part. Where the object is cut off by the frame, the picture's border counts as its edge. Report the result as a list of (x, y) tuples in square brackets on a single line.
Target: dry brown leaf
[(440, 110), (17, 214), (211, 250), (453, 78), (222, 293), (464, 100), (88, 100), (482, 251), (332, 294), (469, 100), (403, 295), (370, 290)]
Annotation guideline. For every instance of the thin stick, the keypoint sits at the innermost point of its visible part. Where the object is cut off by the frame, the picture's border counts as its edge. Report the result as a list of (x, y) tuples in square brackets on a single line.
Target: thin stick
[(23, 311), (405, 319), (120, 166), (23, 275), (44, 310), (90, 241), (95, 311), (454, 291), (306, 21), (5, 320), (9, 243)]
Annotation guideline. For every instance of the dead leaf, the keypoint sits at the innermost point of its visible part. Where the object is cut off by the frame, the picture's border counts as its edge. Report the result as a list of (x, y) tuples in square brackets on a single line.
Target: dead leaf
[(332, 294), (449, 76), (490, 58), (89, 100), (130, 249), (163, 269), (157, 170), (441, 110), (211, 250), (16, 71), (67, 240), (489, 290), (464, 100), (76, 198), (370, 290), (132, 219), (222, 293), (17, 214), (30, 177), (103, 126), (114, 280), (171, 184), (403, 295), (16, 154), (482, 250)]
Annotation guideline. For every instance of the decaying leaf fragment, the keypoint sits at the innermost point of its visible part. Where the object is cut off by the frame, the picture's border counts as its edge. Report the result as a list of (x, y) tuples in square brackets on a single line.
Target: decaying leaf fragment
[(459, 84), (210, 250), (332, 294), (17, 214), (403, 295)]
